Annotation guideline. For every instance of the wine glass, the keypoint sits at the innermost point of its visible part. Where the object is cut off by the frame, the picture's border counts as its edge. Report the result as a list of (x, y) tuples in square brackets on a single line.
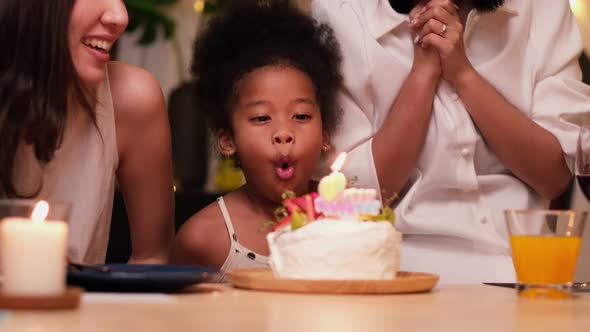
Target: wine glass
[(582, 171), (582, 167)]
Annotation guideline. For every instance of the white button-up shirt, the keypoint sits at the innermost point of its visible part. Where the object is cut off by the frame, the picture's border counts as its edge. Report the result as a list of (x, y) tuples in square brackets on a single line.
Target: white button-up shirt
[(452, 215)]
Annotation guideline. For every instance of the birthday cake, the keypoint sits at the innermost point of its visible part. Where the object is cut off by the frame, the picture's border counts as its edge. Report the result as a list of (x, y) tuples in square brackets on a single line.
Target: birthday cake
[(345, 234)]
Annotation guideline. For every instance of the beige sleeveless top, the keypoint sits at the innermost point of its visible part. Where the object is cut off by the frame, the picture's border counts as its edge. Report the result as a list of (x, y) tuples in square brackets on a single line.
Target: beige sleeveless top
[(82, 173), (238, 257)]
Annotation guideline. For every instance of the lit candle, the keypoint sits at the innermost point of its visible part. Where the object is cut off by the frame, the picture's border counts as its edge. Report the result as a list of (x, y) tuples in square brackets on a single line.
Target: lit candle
[(33, 254), (334, 183)]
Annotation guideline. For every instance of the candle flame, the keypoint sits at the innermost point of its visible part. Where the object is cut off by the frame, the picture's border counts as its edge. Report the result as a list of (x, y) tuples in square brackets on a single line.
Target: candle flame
[(40, 212), (337, 165)]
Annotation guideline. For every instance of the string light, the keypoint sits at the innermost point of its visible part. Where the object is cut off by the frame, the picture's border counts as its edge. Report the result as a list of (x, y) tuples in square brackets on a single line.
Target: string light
[(579, 8), (199, 6)]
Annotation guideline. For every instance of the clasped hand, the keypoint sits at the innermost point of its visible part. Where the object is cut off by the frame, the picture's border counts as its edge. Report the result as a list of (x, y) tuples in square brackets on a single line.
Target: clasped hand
[(437, 28)]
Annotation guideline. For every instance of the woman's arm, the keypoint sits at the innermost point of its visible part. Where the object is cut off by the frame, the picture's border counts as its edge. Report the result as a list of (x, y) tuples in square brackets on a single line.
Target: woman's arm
[(530, 151), (400, 139), (145, 161)]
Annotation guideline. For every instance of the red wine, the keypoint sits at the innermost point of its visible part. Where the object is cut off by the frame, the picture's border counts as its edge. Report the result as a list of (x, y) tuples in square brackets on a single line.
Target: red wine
[(584, 182)]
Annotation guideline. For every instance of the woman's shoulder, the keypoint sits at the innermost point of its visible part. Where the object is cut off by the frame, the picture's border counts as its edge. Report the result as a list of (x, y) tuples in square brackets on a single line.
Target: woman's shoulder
[(139, 107), (136, 92)]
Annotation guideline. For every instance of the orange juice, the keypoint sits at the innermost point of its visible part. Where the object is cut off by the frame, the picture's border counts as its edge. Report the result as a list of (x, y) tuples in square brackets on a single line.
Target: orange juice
[(545, 259)]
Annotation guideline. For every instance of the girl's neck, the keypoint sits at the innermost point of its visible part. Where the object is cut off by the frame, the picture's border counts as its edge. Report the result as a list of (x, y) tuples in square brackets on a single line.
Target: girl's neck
[(259, 204)]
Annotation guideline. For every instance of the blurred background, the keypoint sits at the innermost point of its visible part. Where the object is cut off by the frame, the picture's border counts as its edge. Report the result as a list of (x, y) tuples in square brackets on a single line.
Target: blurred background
[(159, 38)]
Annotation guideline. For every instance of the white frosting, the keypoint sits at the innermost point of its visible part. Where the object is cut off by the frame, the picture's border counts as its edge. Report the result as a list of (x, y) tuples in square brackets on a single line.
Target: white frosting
[(336, 249)]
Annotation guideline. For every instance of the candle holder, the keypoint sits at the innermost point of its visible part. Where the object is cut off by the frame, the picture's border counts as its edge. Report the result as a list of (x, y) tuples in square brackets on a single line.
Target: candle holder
[(33, 250)]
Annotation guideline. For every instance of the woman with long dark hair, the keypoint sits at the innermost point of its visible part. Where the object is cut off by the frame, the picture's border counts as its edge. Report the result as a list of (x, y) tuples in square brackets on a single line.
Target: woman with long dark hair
[(456, 105), (72, 122)]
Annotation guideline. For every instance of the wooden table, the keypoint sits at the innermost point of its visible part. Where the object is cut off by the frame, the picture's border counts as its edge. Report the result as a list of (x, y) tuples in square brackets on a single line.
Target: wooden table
[(222, 308)]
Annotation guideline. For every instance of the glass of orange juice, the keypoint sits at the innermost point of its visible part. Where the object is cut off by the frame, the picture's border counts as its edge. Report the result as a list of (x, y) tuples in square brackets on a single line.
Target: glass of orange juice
[(545, 246)]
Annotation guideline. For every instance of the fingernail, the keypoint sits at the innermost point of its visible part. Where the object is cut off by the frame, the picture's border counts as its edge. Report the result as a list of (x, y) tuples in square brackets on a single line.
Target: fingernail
[(417, 40), (422, 10), (413, 21)]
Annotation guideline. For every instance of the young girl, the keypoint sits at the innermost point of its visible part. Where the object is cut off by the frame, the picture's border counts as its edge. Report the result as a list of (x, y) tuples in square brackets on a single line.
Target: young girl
[(267, 77), (71, 122)]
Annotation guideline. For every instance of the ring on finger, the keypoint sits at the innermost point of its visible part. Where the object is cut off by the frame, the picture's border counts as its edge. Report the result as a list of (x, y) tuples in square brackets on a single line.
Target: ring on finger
[(443, 30)]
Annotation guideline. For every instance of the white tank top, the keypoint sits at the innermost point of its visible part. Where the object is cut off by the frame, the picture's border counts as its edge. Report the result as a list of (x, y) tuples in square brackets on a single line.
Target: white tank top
[(238, 257), (82, 173)]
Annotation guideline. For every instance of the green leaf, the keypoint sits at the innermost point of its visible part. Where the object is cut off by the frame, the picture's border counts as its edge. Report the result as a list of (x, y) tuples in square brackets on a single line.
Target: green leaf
[(288, 194), (148, 15), (386, 212), (149, 34)]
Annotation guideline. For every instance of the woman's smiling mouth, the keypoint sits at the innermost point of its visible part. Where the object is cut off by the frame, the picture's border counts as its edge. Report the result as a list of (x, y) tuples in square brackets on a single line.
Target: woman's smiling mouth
[(97, 44)]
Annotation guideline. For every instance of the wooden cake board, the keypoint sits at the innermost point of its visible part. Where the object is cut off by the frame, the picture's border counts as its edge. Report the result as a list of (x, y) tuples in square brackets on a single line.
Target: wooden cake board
[(263, 279), (69, 300)]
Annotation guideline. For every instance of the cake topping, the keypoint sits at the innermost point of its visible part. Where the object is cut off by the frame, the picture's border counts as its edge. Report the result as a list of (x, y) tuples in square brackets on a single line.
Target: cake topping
[(334, 201), (296, 211), (352, 203)]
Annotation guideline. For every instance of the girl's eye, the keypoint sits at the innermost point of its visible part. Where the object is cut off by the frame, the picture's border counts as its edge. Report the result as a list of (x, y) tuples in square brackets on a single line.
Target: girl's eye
[(302, 116), (260, 118)]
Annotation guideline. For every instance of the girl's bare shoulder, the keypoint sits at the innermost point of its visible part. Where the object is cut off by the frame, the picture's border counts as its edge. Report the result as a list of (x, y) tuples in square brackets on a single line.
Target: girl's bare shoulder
[(203, 239)]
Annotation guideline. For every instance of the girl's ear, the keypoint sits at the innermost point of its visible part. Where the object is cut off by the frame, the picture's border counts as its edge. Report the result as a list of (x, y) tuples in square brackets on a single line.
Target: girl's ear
[(326, 141), (225, 141)]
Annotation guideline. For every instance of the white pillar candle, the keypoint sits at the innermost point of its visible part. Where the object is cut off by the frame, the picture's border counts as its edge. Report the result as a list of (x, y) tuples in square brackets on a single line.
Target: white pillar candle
[(33, 256)]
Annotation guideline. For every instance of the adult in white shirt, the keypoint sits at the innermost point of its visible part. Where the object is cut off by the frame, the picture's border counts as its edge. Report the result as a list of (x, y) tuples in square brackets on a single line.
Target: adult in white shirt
[(459, 110)]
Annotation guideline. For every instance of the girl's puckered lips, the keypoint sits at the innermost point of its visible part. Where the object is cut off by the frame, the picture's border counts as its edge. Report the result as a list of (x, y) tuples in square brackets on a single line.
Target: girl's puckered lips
[(284, 168)]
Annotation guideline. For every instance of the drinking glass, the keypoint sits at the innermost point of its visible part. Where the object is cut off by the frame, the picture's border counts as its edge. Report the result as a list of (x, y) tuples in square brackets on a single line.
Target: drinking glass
[(582, 167), (545, 246)]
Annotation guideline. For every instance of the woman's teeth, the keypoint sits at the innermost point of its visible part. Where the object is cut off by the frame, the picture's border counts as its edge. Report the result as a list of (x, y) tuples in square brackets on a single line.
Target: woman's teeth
[(98, 44)]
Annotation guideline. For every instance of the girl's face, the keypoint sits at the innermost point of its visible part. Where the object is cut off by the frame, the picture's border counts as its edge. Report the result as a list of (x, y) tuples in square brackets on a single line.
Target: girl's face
[(95, 25), (277, 131)]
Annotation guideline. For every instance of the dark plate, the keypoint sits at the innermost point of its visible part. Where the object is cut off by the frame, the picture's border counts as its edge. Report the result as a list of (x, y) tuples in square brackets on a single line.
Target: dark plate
[(140, 278)]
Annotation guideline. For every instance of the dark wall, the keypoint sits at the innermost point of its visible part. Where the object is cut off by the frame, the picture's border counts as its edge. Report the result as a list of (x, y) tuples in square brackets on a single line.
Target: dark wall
[(186, 204), (585, 65)]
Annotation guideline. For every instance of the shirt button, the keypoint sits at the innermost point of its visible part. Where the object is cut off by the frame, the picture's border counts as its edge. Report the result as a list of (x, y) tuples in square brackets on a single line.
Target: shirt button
[(465, 152), (484, 220)]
